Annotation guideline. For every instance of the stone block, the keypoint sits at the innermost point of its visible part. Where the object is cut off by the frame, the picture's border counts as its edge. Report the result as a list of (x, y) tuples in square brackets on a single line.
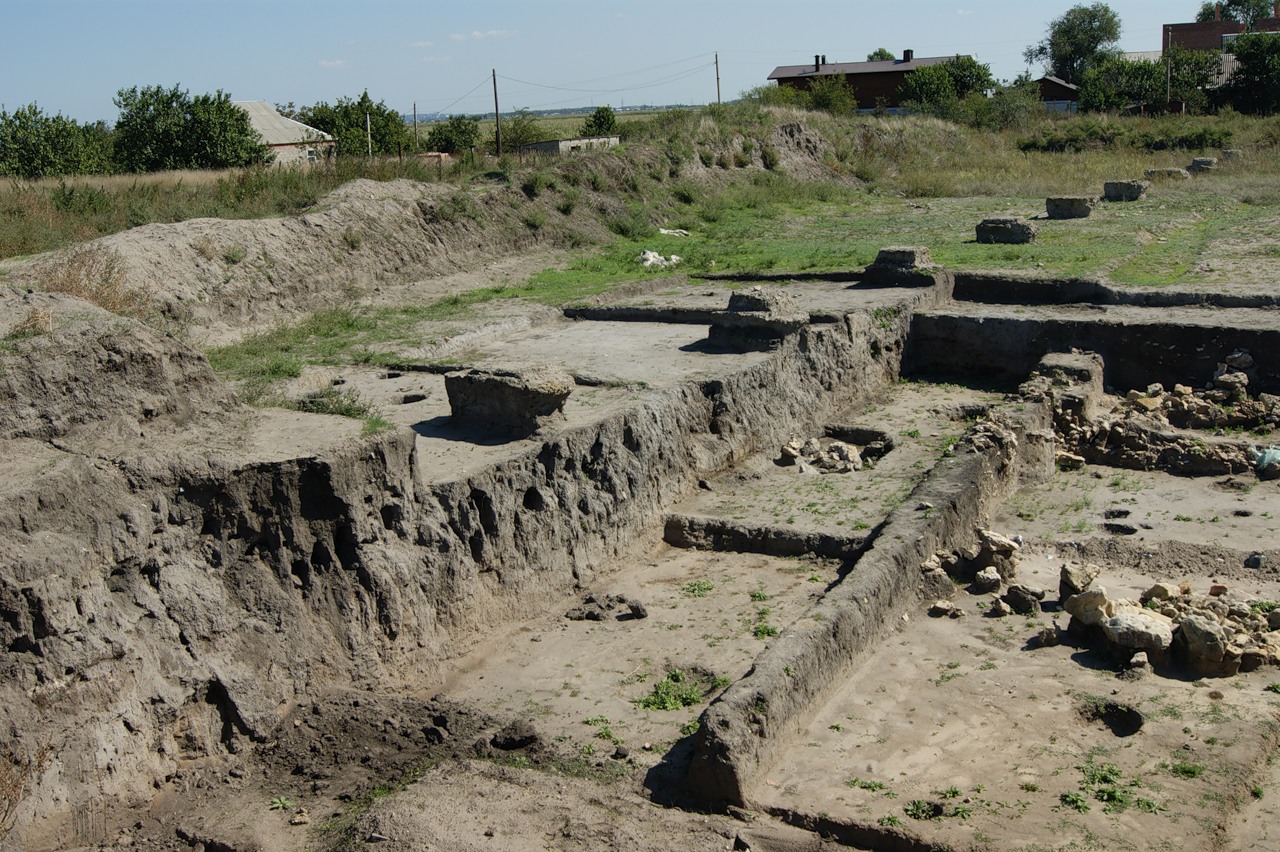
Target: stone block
[(1203, 164), (1125, 190), (508, 402), (757, 319), (1008, 230), (1069, 207), (904, 257), (1168, 174)]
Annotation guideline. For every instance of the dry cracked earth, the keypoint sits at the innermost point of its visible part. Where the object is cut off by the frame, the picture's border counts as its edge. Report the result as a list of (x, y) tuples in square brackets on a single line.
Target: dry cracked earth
[(877, 561)]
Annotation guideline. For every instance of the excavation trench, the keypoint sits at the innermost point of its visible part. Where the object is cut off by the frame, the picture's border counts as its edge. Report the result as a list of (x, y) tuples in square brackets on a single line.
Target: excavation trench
[(245, 584)]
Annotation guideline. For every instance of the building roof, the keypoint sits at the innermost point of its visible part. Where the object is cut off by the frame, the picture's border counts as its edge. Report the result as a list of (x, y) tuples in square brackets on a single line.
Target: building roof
[(830, 68), (1144, 56), (1061, 82), (275, 129)]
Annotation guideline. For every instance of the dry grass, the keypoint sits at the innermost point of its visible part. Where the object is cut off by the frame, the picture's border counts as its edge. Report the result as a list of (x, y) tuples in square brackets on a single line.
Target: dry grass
[(37, 321), (17, 768), (96, 274)]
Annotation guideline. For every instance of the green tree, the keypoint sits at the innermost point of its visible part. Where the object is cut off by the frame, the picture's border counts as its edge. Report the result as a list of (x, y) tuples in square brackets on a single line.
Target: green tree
[(771, 94), (160, 129), (35, 145), (968, 75), (1255, 86), (1083, 37), (1015, 106), (831, 93), (1119, 83), (520, 128), (602, 122), (880, 55), (345, 122), (1244, 11), (457, 135), (149, 130), (929, 89)]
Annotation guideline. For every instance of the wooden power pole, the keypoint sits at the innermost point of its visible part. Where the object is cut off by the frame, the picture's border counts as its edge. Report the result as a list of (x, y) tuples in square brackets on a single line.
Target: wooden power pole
[(717, 77), (497, 117)]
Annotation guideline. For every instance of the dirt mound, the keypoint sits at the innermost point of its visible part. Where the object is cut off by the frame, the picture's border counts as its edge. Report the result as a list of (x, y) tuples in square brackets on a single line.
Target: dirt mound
[(87, 367)]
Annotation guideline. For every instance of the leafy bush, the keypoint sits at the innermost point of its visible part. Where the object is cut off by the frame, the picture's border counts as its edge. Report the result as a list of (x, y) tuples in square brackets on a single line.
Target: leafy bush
[(675, 691), (164, 129), (602, 122)]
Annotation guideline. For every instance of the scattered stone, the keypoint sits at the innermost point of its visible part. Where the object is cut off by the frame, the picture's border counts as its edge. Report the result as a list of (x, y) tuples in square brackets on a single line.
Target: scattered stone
[(1139, 661), (836, 457), (300, 818), (637, 609), (956, 613), (987, 580), (1273, 620), (996, 542), (1023, 599), (1090, 607), (621, 753), (941, 608), (1069, 207), (1125, 190), (1138, 630), (1068, 461), (1205, 640), (1217, 590), (1160, 592), (1074, 579), (1255, 560), (651, 260), (998, 608), (1047, 637), (1168, 174), (1006, 230), (1202, 164), (376, 838)]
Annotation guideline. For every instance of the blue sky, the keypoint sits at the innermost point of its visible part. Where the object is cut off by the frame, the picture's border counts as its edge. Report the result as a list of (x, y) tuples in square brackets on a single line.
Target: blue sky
[(71, 56)]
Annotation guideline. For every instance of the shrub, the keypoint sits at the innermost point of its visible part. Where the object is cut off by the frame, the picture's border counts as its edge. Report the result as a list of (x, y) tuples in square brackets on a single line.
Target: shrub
[(675, 691), (769, 157), (96, 275)]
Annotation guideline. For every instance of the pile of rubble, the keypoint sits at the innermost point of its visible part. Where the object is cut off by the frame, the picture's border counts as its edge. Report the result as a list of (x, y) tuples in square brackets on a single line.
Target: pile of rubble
[(1214, 635), (1133, 435), (812, 456)]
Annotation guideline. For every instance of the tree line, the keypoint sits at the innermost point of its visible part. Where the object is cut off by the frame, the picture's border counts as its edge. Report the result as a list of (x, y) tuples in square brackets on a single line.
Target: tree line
[(1080, 47), (161, 128)]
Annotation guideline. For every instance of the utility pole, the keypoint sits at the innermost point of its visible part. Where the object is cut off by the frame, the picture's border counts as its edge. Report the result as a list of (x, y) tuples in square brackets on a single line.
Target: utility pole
[(497, 117), (368, 134), (717, 77), (415, 125), (1168, 67)]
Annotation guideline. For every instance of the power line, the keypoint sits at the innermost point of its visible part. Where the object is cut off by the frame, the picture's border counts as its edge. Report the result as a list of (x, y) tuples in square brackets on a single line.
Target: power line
[(670, 79)]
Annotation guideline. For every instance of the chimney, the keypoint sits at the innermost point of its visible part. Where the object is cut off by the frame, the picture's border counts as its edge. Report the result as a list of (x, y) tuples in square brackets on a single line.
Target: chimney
[(1217, 11), (1275, 10), (908, 55), (817, 62), (824, 59)]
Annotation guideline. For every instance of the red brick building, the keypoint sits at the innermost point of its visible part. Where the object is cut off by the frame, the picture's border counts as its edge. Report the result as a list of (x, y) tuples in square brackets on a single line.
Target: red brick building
[(874, 84), (1214, 35)]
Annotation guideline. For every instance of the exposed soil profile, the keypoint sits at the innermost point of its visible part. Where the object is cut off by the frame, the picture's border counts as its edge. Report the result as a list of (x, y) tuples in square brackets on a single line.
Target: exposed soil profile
[(786, 563)]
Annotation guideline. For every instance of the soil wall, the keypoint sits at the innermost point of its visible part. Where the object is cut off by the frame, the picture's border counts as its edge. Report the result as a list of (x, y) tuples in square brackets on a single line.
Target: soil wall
[(738, 735), (169, 597), (1137, 352)]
